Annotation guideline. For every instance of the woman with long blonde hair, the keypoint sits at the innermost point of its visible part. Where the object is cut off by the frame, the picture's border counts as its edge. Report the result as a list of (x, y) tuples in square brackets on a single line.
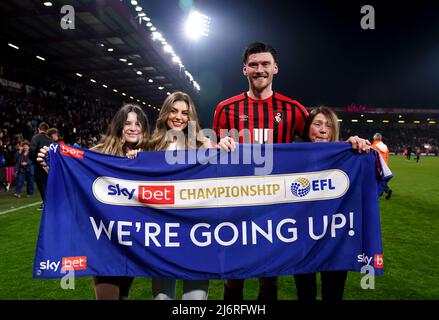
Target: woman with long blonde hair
[(175, 122), (178, 114)]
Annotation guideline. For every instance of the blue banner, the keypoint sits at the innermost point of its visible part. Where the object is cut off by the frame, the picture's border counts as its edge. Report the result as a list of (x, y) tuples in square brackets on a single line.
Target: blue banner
[(264, 210)]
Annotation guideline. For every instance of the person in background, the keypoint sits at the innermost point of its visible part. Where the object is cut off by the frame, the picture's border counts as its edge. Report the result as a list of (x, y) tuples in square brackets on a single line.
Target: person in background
[(53, 134), (38, 141), (383, 150), (24, 171)]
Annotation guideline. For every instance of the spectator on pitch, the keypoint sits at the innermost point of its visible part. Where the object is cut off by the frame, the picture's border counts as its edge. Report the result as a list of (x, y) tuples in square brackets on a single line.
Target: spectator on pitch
[(53, 134), (3, 182), (128, 130), (409, 152), (38, 141), (24, 171), (382, 149), (418, 154)]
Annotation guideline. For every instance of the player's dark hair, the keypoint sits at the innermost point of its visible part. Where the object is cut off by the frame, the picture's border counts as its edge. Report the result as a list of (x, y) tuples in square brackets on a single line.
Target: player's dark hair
[(259, 47)]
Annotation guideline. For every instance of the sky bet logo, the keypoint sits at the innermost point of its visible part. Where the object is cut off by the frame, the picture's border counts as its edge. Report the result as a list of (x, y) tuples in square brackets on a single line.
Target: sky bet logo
[(147, 194), (301, 186), (71, 152), (68, 263), (378, 262)]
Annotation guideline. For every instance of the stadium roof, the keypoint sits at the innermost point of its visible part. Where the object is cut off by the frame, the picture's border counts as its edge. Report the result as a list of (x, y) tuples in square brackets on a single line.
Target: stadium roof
[(137, 65)]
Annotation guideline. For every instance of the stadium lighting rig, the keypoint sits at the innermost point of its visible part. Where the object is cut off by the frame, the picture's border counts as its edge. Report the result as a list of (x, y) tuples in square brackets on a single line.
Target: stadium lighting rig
[(197, 25), (196, 19)]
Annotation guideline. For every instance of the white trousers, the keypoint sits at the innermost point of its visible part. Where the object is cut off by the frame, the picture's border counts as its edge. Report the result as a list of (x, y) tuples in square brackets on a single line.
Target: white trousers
[(164, 289)]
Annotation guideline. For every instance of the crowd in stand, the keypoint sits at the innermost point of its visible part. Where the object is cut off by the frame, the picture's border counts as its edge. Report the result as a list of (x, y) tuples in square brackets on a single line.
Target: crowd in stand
[(77, 118), (80, 119), (398, 137)]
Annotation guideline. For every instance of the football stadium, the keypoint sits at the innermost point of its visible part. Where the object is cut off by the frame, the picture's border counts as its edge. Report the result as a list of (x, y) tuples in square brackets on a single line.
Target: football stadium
[(67, 68)]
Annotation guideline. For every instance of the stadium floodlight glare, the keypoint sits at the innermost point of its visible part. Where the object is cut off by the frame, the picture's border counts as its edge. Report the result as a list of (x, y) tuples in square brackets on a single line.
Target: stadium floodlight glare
[(157, 36), (78, 74), (189, 75), (41, 58), (197, 25), (47, 4), (13, 46), (176, 59), (168, 48)]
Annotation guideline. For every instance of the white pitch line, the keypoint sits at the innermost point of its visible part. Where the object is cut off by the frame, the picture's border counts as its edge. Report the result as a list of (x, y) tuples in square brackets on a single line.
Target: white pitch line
[(19, 208)]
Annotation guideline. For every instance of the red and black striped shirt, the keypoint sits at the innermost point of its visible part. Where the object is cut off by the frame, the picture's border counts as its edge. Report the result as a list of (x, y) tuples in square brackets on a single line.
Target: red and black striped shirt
[(277, 119)]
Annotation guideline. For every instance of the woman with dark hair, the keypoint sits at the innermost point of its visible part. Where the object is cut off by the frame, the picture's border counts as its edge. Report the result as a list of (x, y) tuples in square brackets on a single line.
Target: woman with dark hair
[(128, 130)]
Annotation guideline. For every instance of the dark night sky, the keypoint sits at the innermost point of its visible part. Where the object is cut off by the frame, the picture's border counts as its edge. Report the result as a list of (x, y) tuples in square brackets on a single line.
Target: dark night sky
[(325, 57)]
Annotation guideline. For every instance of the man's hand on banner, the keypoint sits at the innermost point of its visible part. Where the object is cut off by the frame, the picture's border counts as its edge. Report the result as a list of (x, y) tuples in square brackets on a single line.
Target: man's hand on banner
[(227, 144), (41, 156)]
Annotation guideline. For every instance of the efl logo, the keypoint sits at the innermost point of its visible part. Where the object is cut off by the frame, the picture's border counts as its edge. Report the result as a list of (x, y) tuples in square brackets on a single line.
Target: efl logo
[(156, 194), (71, 152), (74, 263), (378, 262)]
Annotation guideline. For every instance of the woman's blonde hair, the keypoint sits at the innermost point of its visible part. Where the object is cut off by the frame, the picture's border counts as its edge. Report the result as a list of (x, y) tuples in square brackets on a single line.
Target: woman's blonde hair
[(159, 139), (113, 142), (332, 118)]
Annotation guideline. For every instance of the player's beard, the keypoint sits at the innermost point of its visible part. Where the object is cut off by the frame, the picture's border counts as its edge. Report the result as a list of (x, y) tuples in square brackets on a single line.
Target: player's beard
[(259, 85)]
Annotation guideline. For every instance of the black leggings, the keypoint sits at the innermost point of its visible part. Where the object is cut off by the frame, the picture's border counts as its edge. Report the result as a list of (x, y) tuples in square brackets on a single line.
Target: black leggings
[(333, 283), (124, 283)]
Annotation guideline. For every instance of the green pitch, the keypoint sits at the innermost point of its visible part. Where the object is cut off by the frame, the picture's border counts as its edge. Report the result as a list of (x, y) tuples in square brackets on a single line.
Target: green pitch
[(410, 228)]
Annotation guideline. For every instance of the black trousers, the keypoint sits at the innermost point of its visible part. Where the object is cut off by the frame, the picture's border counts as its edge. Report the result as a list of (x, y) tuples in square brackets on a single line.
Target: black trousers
[(333, 283), (41, 180)]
